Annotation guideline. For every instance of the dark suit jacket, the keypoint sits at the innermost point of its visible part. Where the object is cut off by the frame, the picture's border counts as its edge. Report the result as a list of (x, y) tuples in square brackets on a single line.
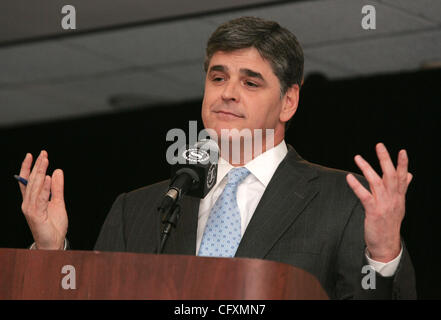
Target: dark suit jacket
[(307, 217)]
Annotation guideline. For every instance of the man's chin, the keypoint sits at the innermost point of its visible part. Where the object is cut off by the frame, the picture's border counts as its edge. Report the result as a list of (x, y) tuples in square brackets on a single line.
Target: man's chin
[(229, 128)]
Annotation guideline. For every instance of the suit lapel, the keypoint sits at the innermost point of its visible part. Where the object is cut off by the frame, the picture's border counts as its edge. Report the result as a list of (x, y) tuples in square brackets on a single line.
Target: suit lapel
[(286, 196)]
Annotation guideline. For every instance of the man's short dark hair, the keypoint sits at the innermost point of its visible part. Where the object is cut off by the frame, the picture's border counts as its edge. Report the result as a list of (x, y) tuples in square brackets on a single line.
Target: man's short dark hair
[(274, 43)]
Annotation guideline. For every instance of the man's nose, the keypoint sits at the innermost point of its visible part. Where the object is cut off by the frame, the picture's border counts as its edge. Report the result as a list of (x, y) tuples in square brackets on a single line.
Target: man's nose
[(230, 92)]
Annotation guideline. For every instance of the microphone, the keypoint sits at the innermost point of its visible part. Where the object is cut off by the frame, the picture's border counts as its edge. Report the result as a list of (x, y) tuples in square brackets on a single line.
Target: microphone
[(194, 174)]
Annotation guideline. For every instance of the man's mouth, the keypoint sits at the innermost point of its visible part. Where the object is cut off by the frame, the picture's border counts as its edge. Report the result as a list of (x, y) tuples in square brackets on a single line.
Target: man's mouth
[(228, 114)]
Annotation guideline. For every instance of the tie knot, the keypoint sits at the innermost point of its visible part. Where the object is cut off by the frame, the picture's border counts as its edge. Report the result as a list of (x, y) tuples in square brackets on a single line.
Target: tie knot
[(237, 175)]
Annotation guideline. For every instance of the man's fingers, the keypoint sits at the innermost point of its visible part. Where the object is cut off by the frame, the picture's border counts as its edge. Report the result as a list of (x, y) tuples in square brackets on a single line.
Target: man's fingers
[(359, 190), (387, 166), (37, 164), (57, 186), (25, 171), (38, 181), (31, 178), (43, 197), (375, 182), (403, 163), (408, 180)]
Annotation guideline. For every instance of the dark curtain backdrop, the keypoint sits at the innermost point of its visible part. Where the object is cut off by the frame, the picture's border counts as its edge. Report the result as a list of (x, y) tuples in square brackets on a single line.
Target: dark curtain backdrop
[(103, 156)]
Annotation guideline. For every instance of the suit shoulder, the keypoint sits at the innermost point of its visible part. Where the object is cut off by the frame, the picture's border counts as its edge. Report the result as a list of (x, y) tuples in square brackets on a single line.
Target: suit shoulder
[(335, 195), (335, 177), (148, 192)]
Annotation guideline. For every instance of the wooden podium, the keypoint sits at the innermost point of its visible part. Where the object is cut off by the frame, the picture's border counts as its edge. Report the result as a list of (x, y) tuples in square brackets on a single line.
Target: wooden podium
[(41, 274)]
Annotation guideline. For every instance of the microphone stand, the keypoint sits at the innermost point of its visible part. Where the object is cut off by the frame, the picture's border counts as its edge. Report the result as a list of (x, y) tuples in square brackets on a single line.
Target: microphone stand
[(169, 209), (169, 221)]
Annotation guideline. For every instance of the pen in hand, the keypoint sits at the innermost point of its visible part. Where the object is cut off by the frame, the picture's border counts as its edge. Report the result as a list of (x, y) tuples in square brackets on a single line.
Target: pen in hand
[(24, 181), (20, 179)]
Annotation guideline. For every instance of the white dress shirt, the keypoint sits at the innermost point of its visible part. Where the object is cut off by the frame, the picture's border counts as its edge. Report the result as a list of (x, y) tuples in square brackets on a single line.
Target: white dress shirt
[(250, 191)]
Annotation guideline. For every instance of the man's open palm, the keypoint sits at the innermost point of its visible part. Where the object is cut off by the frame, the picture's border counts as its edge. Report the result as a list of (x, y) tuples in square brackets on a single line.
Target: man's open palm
[(43, 202), (385, 204)]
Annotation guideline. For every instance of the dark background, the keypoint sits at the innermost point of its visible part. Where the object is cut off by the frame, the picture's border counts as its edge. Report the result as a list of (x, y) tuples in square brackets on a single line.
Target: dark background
[(103, 156)]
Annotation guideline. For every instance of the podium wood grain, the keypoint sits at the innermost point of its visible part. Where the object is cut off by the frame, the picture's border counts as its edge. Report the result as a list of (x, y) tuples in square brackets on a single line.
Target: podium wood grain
[(36, 274)]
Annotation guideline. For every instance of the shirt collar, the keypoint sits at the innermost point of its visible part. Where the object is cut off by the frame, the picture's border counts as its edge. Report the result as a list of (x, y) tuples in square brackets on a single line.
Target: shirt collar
[(262, 167)]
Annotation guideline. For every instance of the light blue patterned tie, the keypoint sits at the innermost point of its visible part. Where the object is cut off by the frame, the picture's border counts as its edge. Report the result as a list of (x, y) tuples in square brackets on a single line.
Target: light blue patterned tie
[(222, 233)]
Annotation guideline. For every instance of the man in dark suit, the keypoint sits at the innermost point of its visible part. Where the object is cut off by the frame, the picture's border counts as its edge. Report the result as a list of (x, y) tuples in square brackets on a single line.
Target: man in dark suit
[(273, 206)]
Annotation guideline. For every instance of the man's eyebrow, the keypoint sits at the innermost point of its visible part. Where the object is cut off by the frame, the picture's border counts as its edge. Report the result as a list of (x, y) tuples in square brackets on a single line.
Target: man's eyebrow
[(252, 74), (245, 71), (218, 67)]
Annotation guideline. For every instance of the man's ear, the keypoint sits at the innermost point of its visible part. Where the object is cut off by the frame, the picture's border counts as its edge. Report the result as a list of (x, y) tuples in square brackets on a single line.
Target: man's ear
[(290, 103)]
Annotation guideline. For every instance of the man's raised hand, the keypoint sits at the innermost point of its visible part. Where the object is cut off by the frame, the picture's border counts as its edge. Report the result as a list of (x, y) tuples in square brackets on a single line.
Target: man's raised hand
[(43, 202), (385, 204)]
